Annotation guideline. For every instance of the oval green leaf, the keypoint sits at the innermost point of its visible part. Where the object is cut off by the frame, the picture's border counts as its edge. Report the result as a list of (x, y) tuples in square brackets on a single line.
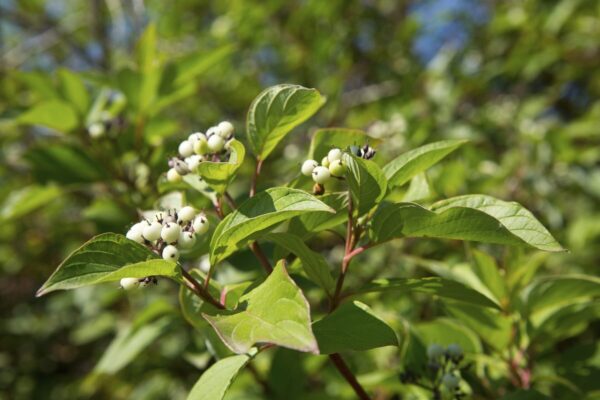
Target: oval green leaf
[(366, 181), (107, 258), (404, 167), (258, 214), (275, 112), (215, 381), (218, 175), (476, 218)]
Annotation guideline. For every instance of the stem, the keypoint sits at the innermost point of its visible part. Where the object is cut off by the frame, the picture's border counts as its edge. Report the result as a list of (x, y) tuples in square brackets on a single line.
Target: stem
[(230, 201), (197, 288), (255, 176), (341, 366), (262, 258)]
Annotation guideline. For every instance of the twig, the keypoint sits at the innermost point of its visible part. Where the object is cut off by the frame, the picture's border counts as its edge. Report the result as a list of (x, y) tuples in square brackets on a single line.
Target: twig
[(197, 288), (341, 366), (255, 177), (262, 258)]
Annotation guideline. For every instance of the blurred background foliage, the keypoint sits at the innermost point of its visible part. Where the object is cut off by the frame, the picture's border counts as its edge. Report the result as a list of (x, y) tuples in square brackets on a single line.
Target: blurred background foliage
[(519, 78)]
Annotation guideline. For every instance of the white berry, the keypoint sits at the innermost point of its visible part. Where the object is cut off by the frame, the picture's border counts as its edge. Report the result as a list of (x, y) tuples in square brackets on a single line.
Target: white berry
[(215, 143), (135, 233), (200, 224), (152, 232), (129, 283), (334, 154), (186, 214), (321, 175), (186, 148), (170, 253), (170, 232), (193, 162), (196, 136), (308, 166), (186, 240), (225, 128), (212, 131), (173, 175), (336, 168), (96, 130), (450, 381), (454, 350), (325, 162)]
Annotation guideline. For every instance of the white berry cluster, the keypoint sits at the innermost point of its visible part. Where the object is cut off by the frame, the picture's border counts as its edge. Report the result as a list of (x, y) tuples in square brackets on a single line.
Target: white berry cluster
[(331, 165), (439, 357), (165, 234), (198, 147)]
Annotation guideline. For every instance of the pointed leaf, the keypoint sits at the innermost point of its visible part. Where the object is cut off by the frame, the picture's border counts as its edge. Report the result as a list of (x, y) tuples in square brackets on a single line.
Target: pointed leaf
[(404, 167), (27, 199), (353, 326), (215, 381), (73, 90), (307, 224), (436, 286), (366, 181), (257, 214), (473, 217), (275, 112), (106, 258), (313, 263), (276, 312), (218, 175), (551, 293), (54, 114)]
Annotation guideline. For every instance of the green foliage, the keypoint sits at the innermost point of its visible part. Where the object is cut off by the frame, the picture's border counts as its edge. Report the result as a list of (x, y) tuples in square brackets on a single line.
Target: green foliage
[(213, 384)]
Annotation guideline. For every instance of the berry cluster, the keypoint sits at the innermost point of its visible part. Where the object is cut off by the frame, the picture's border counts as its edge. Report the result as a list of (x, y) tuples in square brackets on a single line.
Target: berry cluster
[(210, 146), (331, 165), (165, 234)]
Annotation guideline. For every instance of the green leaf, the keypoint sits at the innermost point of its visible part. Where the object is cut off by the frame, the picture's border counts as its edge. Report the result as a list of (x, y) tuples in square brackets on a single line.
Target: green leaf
[(327, 138), (146, 50), (313, 263), (257, 214), (73, 90), (308, 224), (366, 181), (487, 270), (445, 331), (275, 112), (547, 295), (419, 189), (275, 312), (193, 306), (476, 218), (352, 326), (437, 286), (492, 326), (193, 65), (215, 381), (218, 175), (28, 199), (197, 183), (106, 258), (53, 114), (404, 167), (64, 164)]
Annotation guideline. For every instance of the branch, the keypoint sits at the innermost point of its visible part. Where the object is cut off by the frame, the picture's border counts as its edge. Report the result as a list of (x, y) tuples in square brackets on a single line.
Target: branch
[(262, 258), (341, 366), (255, 177), (201, 292)]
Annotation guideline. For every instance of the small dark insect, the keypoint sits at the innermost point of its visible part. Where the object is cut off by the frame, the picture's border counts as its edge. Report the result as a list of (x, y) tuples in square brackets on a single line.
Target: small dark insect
[(147, 281), (366, 152)]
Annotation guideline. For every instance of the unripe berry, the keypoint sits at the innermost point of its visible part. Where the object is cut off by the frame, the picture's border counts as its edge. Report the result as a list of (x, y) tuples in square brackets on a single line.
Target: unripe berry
[(435, 351), (152, 232), (215, 143), (193, 162), (450, 381), (336, 168), (173, 176), (455, 351), (334, 154), (186, 214), (186, 240), (96, 130), (135, 233), (129, 283), (200, 224), (170, 253), (186, 148), (321, 175), (308, 166), (325, 162), (226, 128), (201, 145), (170, 232), (196, 136)]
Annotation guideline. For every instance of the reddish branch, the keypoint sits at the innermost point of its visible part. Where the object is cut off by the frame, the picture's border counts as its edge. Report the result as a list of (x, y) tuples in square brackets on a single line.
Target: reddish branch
[(341, 366), (255, 177)]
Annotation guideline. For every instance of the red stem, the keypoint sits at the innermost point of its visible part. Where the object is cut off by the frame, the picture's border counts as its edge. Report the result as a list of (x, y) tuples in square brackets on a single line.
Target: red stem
[(341, 366), (197, 288), (255, 177)]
